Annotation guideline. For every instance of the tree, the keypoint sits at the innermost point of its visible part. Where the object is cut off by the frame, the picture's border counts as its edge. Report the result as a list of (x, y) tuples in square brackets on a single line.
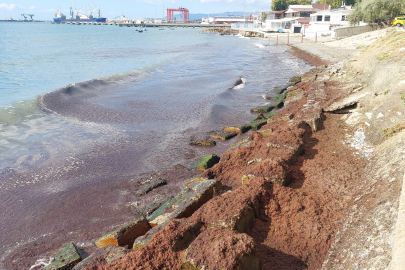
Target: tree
[(375, 11), (279, 5), (283, 4), (336, 3)]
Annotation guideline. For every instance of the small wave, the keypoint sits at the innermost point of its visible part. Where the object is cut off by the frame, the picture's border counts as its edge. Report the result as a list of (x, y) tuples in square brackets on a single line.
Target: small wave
[(23, 110), (240, 36), (240, 84), (261, 46)]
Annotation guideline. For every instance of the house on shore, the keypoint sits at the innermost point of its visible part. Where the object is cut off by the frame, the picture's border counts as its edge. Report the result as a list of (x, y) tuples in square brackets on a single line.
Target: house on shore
[(293, 19), (325, 22)]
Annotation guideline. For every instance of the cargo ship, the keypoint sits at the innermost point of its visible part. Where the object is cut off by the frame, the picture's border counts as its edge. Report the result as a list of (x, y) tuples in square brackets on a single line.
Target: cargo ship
[(77, 17)]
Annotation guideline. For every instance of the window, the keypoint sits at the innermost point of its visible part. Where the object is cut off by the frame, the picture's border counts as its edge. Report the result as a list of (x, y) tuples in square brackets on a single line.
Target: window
[(319, 18), (327, 18), (343, 18)]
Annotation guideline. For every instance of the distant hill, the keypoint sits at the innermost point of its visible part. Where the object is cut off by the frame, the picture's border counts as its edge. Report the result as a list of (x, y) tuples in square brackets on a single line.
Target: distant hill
[(199, 16)]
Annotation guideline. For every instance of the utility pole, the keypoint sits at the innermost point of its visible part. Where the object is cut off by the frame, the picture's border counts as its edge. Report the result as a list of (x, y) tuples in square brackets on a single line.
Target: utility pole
[(244, 8)]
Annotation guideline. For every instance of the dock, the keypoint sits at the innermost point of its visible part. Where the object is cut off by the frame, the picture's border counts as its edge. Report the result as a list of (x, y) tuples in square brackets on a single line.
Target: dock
[(179, 25)]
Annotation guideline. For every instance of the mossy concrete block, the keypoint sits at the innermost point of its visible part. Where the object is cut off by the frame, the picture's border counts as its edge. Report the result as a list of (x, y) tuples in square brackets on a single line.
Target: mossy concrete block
[(198, 179), (295, 80), (143, 240), (185, 234), (125, 235), (262, 109), (194, 196), (260, 116), (151, 185), (188, 200), (278, 103), (103, 256), (183, 205), (65, 258), (203, 143), (207, 162), (294, 95), (242, 143), (239, 129), (223, 135), (258, 124), (269, 115)]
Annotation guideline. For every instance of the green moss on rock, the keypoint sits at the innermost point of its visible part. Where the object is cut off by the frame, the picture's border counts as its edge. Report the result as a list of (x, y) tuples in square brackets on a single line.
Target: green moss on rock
[(207, 162), (65, 258), (203, 143)]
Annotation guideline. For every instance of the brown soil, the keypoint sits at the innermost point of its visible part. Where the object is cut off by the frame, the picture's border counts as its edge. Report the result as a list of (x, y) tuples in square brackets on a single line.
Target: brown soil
[(308, 57), (292, 208)]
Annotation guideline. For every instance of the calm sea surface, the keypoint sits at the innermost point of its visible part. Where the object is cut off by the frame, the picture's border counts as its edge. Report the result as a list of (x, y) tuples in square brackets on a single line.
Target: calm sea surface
[(115, 105)]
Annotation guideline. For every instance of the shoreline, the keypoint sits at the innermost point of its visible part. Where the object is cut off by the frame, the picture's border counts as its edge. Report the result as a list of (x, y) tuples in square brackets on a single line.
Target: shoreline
[(296, 178), (307, 56), (32, 247)]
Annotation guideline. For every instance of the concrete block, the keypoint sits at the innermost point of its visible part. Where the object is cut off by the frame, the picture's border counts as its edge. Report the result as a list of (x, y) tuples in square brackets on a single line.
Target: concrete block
[(203, 143), (239, 129), (125, 235), (223, 135), (103, 256), (183, 205), (258, 124), (151, 185), (207, 162), (65, 258)]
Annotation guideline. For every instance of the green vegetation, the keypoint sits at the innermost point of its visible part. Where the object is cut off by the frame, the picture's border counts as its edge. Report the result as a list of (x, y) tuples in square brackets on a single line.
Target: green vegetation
[(389, 132), (295, 80), (403, 98), (375, 11), (384, 56), (207, 162), (283, 4), (386, 91), (336, 3)]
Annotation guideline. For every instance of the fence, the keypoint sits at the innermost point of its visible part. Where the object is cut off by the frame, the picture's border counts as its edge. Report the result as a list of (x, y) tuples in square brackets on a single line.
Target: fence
[(351, 31)]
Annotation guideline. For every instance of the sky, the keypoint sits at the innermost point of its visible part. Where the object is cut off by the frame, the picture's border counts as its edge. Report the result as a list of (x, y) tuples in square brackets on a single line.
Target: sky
[(134, 9)]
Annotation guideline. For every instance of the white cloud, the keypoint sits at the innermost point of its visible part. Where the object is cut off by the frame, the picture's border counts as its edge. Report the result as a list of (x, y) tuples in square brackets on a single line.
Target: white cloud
[(33, 7), (8, 7), (52, 10)]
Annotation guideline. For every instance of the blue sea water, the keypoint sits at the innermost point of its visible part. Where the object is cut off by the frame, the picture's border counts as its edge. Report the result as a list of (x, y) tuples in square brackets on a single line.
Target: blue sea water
[(84, 109)]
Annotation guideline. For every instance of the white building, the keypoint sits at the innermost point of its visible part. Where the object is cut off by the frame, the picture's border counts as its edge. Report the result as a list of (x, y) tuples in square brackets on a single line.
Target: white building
[(293, 19), (326, 21)]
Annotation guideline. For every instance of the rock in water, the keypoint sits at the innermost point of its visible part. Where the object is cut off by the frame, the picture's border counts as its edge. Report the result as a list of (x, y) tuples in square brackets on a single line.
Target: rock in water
[(65, 258), (239, 84)]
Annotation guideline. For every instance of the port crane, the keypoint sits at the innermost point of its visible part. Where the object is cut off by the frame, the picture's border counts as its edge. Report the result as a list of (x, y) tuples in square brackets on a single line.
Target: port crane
[(26, 16), (91, 11), (78, 12)]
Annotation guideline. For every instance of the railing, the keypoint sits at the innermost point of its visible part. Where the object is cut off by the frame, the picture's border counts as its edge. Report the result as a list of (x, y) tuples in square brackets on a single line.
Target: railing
[(245, 26)]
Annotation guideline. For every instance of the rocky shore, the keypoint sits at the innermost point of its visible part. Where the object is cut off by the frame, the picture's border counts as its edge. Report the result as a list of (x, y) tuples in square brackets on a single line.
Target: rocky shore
[(315, 185)]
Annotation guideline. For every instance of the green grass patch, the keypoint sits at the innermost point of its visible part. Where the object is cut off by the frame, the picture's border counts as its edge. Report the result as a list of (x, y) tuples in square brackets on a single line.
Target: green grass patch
[(384, 56), (386, 91), (389, 132)]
